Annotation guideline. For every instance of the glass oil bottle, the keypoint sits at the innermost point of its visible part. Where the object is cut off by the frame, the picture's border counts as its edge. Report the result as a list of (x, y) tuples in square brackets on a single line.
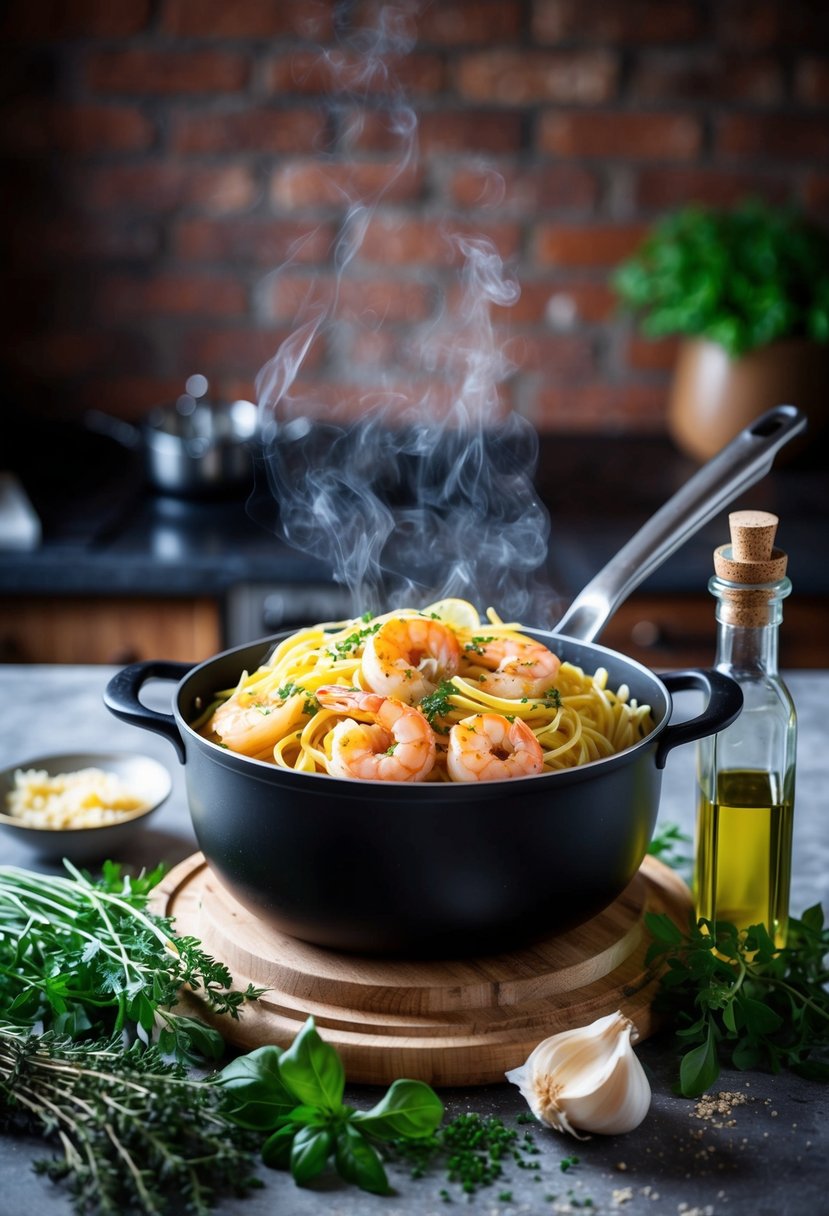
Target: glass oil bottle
[(746, 773)]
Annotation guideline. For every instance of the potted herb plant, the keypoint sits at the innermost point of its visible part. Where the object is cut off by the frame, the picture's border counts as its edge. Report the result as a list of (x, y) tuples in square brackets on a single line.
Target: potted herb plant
[(747, 290)]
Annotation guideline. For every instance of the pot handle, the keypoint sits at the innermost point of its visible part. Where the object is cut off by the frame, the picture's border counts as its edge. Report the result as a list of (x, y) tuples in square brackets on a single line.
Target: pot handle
[(121, 697), (725, 701)]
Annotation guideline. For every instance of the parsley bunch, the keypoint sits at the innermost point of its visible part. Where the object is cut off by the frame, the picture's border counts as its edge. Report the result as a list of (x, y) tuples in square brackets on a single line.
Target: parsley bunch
[(735, 997), (85, 958)]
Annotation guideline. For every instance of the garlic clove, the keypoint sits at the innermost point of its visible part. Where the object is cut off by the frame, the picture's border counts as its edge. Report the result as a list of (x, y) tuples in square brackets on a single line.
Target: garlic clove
[(587, 1079)]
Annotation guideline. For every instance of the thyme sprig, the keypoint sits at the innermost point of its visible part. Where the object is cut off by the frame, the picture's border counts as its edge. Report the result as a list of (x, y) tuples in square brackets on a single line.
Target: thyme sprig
[(134, 1133), (734, 997)]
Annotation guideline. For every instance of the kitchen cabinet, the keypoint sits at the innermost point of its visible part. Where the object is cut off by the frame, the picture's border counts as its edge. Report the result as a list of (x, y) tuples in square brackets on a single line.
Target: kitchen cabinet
[(65, 629)]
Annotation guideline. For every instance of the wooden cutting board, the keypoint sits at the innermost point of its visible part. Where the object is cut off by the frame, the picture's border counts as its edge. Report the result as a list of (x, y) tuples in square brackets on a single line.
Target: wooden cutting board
[(450, 1022)]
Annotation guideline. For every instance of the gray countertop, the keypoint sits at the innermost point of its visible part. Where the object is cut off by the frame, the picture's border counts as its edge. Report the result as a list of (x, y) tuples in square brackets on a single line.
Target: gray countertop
[(767, 1158)]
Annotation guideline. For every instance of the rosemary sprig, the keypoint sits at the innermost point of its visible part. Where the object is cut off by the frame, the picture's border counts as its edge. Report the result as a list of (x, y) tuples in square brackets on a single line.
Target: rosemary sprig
[(134, 1133)]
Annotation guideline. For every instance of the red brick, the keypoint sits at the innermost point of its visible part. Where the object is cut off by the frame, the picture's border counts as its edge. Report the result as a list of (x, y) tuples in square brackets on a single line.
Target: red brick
[(708, 75), (63, 354), (648, 356), (771, 24), (314, 183), (465, 22), (360, 301), (522, 77), (553, 354), (151, 71), (599, 245), (376, 348), (164, 186), (526, 190), (789, 137), (417, 240), (129, 395), (470, 131), (312, 19), (254, 129), (816, 194), (170, 294), (261, 241), (598, 407), (624, 135), (238, 350), (560, 303), (70, 237), (811, 81), (36, 127), (57, 19), (616, 21), (668, 187), (315, 72)]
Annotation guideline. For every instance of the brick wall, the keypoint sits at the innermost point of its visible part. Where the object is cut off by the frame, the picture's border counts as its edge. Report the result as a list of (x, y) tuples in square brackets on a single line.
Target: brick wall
[(164, 157)]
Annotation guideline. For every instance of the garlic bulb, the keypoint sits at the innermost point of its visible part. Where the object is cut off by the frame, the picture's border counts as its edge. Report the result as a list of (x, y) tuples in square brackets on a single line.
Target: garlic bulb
[(587, 1079)]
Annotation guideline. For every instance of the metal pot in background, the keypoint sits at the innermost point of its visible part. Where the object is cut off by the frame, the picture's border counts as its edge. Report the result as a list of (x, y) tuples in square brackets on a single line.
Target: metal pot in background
[(192, 449)]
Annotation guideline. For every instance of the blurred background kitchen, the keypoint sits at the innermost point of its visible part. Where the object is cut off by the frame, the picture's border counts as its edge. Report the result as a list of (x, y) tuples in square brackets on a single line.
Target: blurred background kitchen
[(175, 176)]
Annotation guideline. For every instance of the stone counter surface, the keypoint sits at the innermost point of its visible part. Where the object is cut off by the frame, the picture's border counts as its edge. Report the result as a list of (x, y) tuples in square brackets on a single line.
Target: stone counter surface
[(767, 1157)]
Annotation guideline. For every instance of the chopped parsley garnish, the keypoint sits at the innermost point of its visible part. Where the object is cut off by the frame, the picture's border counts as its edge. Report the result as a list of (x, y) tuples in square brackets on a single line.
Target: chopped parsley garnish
[(476, 646), (354, 640), (437, 703)]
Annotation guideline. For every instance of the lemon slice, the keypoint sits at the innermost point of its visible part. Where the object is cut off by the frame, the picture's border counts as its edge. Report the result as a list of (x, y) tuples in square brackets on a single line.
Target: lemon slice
[(460, 614)]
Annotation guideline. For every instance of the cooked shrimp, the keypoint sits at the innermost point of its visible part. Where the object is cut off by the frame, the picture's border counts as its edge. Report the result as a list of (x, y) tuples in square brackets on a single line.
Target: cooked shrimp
[(511, 667), (385, 740), (488, 747), (253, 722), (408, 657)]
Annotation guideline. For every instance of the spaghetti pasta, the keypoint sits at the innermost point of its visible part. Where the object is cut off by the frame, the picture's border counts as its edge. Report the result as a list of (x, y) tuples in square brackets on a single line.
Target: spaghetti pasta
[(471, 668)]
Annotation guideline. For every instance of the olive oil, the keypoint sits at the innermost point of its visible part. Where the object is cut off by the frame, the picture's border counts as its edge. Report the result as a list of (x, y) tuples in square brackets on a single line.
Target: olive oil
[(746, 773), (744, 851)]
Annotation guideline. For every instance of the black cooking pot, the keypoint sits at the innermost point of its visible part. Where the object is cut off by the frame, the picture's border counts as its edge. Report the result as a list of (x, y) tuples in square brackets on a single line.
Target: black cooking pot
[(433, 868), (377, 867)]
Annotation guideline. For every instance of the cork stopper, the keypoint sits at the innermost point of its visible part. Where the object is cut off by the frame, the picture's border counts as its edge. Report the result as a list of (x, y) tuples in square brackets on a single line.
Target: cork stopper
[(750, 559)]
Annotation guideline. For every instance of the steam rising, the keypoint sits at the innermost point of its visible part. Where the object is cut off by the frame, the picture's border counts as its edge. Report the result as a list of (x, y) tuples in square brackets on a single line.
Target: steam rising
[(408, 493)]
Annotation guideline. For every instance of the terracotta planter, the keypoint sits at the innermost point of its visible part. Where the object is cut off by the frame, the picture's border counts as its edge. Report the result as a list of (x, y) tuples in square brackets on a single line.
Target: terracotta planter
[(713, 396)]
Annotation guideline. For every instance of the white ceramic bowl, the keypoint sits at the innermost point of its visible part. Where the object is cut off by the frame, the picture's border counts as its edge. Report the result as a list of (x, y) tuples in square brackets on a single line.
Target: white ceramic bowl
[(146, 778)]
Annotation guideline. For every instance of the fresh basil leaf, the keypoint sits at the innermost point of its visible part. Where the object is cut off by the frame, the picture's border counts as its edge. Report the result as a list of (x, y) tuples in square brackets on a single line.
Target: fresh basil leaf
[(257, 1097), (699, 1068), (276, 1151), (358, 1161), (409, 1109), (663, 928), (312, 1070), (309, 1153)]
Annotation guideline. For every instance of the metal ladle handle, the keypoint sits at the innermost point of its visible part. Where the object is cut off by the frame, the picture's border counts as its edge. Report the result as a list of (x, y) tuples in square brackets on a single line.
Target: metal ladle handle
[(739, 465)]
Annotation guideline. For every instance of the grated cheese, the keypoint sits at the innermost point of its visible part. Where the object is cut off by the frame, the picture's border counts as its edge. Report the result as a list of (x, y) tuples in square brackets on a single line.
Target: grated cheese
[(87, 798)]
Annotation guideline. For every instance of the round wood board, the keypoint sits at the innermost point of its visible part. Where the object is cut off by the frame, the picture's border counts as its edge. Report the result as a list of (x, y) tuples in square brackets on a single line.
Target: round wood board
[(449, 1022)]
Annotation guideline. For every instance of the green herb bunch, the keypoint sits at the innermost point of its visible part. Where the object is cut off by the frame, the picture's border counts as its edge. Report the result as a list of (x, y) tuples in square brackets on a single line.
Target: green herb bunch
[(295, 1097), (86, 959), (136, 1134), (736, 998), (742, 278)]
